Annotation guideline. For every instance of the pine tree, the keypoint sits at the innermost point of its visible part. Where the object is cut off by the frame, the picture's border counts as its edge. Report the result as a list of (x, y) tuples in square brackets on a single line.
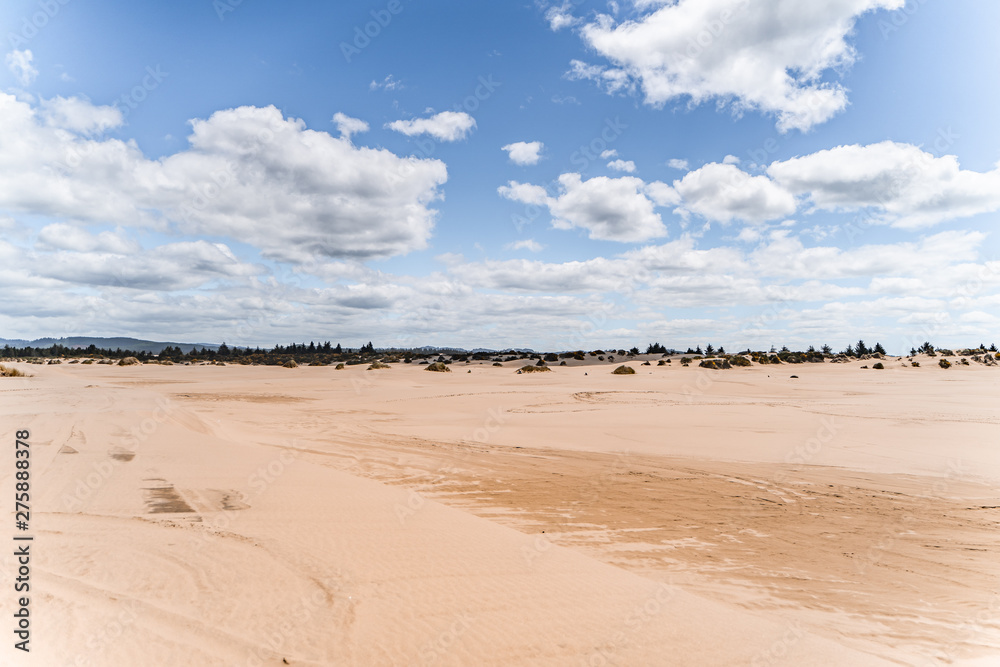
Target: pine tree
[(879, 349), (826, 349), (709, 350)]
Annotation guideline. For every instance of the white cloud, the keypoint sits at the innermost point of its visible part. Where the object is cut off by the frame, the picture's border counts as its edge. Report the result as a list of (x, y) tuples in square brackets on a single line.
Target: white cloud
[(622, 165), (445, 126), (62, 236), (388, 83), (250, 174), (348, 126), (534, 195), (909, 186), (19, 63), (525, 244), (784, 255), (610, 209), (730, 159), (169, 267), (524, 152), (610, 153), (769, 56), (80, 116), (677, 163), (722, 193), (559, 17)]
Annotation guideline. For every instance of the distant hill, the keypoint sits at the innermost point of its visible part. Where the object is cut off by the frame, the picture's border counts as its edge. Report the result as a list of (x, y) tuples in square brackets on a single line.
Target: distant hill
[(134, 344)]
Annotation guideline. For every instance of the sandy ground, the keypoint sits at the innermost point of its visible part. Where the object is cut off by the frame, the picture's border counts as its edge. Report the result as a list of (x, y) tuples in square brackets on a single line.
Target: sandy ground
[(680, 516)]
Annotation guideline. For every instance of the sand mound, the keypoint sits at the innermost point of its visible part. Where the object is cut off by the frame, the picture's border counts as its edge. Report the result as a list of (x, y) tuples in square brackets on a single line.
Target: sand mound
[(438, 367)]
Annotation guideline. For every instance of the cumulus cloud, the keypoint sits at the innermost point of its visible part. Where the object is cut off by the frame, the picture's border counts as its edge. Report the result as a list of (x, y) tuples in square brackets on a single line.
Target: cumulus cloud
[(559, 16), (769, 56), (249, 174), (19, 63), (723, 192), (348, 126), (677, 163), (610, 209), (80, 116), (907, 185), (524, 153), (62, 236), (169, 267), (622, 165), (445, 126), (525, 244)]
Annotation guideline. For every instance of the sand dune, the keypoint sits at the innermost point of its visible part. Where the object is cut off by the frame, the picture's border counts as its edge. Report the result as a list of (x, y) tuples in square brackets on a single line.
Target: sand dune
[(258, 516)]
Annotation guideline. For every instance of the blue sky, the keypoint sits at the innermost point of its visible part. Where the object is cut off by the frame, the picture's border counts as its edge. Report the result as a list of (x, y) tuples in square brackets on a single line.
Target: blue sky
[(799, 173)]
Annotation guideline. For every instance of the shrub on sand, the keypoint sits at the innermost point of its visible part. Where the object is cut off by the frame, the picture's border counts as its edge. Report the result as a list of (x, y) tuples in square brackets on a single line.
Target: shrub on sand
[(376, 365), (879, 366), (737, 360), (438, 367), (623, 370), (717, 364), (291, 363), (915, 364), (534, 369), (6, 372), (497, 363), (129, 361), (944, 363), (340, 367)]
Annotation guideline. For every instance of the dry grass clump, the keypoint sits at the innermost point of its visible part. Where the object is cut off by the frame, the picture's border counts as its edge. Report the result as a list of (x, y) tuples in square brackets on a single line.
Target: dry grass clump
[(376, 365), (340, 367), (623, 370), (291, 363), (438, 367), (129, 361), (534, 369), (7, 372)]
